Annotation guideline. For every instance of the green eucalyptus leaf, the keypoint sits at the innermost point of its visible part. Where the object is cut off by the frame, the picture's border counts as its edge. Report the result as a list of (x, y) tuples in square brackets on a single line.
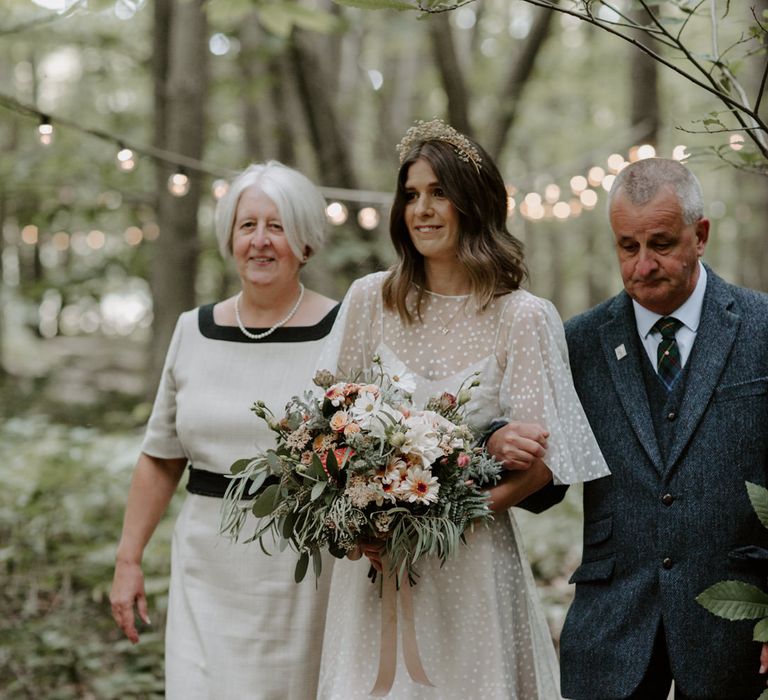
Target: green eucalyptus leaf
[(274, 460), (758, 497), (317, 490), (317, 562), (267, 501), (258, 482), (240, 466), (316, 469), (760, 633), (734, 600), (288, 524), (301, 567)]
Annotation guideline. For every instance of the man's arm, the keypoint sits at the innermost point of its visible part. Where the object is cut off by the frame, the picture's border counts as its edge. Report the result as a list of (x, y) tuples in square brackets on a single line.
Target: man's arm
[(518, 446)]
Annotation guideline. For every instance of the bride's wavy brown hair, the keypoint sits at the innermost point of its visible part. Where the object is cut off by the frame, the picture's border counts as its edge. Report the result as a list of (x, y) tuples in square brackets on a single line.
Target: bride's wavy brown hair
[(492, 256)]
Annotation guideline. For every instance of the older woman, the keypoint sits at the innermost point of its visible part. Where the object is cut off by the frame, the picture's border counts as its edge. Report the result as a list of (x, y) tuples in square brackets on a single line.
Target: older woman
[(451, 306), (238, 626)]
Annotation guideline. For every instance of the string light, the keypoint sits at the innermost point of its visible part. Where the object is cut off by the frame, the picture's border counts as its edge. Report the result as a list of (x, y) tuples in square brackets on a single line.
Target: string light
[(736, 142), (178, 183), (29, 234), (219, 188), (45, 130), (337, 213), (125, 159), (552, 193), (368, 218), (588, 198), (578, 184), (646, 151), (678, 152), (561, 210), (607, 182), (595, 175)]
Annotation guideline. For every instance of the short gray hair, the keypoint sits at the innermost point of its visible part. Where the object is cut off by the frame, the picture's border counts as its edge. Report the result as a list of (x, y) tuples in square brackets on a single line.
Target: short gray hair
[(298, 201), (642, 180)]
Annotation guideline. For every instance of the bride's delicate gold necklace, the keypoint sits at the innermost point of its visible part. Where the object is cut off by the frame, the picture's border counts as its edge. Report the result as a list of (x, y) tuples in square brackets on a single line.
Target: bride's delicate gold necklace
[(259, 336), (443, 326)]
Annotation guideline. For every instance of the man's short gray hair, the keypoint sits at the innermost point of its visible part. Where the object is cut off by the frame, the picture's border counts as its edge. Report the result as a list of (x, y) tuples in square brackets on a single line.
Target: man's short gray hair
[(642, 180), (299, 203)]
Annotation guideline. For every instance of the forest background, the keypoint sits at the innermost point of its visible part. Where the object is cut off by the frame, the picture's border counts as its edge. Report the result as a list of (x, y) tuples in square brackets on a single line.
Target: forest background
[(120, 122)]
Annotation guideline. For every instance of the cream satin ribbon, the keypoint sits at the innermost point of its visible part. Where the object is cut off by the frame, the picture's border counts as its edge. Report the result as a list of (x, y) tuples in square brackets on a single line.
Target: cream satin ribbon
[(388, 650)]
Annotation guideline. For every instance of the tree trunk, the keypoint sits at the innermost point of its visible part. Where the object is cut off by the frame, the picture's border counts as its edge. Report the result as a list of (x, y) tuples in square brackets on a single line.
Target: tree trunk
[(180, 45), (519, 74), (330, 144), (645, 114), (451, 73), (249, 63)]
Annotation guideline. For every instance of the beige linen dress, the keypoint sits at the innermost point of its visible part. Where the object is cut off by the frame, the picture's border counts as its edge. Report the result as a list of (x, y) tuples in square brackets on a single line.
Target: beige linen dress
[(238, 627)]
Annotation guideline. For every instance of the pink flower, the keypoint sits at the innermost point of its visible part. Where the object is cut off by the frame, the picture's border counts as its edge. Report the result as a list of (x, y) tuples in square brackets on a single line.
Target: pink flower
[(463, 460), (339, 421)]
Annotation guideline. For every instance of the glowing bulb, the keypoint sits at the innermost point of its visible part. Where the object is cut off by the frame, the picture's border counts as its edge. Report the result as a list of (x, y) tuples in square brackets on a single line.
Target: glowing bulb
[(133, 235), (178, 184), (552, 193), (736, 142), (125, 159), (678, 152), (578, 184), (60, 240), (45, 131), (368, 218), (533, 200), (646, 151), (595, 175), (561, 210), (510, 205), (95, 239), (29, 234), (615, 162), (607, 182), (588, 198), (219, 188), (336, 213)]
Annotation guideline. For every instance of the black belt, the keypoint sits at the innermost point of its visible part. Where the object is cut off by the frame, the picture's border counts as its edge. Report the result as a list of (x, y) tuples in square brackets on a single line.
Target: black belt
[(205, 483)]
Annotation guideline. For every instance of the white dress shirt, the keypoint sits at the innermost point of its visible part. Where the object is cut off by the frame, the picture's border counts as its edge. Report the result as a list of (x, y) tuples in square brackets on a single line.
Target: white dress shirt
[(689, 314)]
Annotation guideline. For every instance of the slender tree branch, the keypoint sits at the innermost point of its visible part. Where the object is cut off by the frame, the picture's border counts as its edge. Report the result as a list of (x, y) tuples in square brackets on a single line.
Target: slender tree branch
[(445, 8), (761, 89)]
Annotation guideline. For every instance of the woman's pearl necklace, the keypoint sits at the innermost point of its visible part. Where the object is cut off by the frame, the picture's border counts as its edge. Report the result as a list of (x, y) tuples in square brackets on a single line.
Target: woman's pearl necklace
[(259, 336)]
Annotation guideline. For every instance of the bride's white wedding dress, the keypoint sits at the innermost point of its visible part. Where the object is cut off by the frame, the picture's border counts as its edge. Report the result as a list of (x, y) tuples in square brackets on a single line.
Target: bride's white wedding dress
[(480, 628)]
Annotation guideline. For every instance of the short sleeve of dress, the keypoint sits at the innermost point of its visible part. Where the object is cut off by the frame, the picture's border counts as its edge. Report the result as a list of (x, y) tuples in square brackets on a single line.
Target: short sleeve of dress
[(356, 333), (537, 387), (161, 439)]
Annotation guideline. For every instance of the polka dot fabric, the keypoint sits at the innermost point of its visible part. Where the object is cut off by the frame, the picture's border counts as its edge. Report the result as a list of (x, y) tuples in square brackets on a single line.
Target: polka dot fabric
[(479, 625)]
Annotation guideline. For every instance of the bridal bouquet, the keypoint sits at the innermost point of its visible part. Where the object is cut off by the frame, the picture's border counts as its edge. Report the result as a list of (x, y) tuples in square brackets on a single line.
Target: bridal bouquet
[(361, 463)]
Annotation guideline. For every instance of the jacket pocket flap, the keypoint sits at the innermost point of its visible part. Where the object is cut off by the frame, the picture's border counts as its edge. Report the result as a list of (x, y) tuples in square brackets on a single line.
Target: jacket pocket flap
[(753, 387), (598, 531), (599, 570)]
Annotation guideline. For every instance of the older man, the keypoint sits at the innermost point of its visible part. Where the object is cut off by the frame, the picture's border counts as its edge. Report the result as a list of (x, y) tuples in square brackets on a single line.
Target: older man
[(673, 376)]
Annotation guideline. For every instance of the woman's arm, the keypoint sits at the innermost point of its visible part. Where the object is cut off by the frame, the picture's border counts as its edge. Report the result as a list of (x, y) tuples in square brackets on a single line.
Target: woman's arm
[(153, 484)]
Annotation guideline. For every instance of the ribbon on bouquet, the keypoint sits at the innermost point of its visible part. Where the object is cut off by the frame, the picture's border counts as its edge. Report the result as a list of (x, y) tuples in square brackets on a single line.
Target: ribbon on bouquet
[(388, 649)]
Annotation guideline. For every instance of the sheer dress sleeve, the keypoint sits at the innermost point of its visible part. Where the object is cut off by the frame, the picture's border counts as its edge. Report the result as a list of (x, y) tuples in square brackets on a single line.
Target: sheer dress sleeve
[(537, 387), (356, 333)]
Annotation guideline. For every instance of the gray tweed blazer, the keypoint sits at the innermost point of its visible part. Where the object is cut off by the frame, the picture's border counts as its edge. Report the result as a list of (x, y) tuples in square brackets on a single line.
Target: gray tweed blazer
[(659, 531)]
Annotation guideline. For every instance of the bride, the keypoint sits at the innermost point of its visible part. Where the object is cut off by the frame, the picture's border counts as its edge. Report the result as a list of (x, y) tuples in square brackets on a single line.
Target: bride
[(451, 306)]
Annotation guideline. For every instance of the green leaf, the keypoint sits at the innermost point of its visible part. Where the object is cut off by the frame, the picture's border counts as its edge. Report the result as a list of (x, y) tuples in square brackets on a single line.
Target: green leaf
[(288, 525), (301, 567), (316, 470), (267, 501), (763, 695), (734, 600), (317, 490), (378, 4), (240, 465), (258, 482), (274, 461), (317, 562), (332, 465), (760, 633), (758, 497)]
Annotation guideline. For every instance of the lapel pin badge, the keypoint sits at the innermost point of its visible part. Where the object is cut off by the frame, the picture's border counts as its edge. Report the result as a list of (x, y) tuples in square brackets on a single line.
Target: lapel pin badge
[(621, 352)]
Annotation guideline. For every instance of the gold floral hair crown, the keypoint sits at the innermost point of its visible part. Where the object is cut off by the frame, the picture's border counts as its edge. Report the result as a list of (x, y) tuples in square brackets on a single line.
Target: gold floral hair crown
[(438, 130)]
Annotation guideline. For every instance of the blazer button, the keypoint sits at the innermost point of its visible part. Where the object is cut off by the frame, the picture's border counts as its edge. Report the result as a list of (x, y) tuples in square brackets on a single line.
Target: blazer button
[(666, 563), (671, 416), (667, 499)]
